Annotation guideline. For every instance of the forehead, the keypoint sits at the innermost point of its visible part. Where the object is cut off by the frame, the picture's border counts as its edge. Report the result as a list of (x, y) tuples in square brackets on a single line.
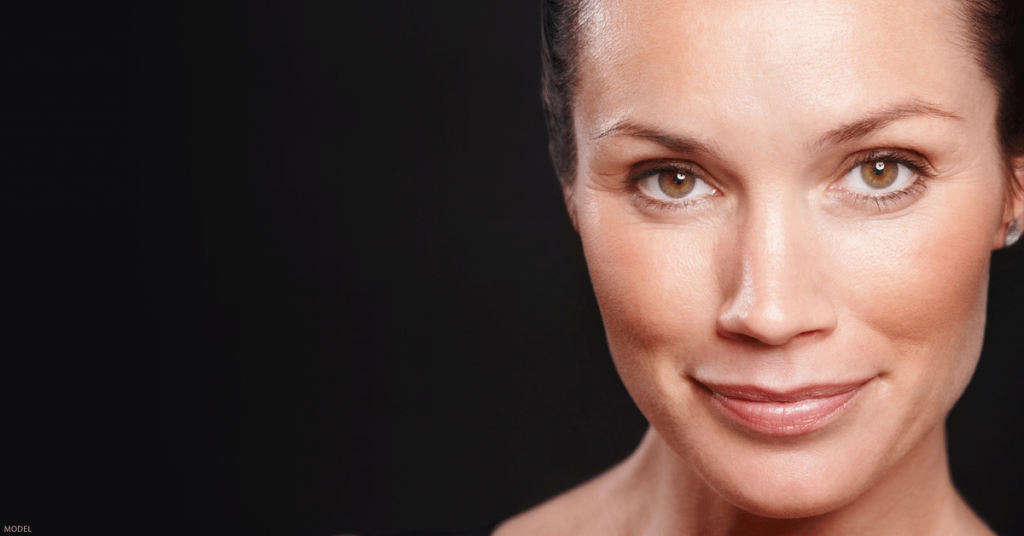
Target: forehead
[(752, 61)]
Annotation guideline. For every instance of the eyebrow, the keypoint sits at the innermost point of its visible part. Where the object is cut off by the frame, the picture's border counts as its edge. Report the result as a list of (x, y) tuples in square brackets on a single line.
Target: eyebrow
[(880, 119), (673, 142), (845, 133)]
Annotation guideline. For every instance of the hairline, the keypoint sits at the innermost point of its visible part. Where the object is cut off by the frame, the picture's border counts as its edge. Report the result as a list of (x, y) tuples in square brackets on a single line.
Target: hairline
[(972, 14)]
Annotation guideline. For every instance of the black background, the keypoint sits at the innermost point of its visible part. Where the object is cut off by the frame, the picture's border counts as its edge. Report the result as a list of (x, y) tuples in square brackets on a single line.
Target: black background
[(293, 268)]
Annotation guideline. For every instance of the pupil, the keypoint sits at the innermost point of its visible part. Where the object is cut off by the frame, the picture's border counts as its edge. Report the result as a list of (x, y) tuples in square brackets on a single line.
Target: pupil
[(879, 168), (678, 179)]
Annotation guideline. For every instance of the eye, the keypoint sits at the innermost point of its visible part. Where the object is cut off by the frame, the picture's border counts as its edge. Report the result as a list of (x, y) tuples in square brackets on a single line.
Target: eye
[(674, 185), (879, 176)]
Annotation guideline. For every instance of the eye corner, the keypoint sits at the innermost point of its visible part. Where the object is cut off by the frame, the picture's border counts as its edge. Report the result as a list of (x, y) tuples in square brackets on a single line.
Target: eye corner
[(651, 188), (854, 188)]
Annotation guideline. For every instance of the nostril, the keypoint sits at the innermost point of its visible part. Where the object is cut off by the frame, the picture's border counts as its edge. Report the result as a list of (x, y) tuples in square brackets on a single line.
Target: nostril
[(775, 291), (740, 337), (756, 327), (765, 341)]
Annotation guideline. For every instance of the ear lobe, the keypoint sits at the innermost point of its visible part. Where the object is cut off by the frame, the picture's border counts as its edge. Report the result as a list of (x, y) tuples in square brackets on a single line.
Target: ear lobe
[(1014, 202)]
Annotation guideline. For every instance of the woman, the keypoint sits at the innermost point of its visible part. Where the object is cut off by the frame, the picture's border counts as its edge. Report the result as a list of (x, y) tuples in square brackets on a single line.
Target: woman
[(787, 210)]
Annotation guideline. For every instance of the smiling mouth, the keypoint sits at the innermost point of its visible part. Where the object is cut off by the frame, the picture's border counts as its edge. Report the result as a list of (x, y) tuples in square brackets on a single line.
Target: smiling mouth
[(789, 413)]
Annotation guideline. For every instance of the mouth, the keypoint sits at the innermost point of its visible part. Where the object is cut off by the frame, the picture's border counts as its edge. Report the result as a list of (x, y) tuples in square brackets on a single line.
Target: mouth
[(784, 413)]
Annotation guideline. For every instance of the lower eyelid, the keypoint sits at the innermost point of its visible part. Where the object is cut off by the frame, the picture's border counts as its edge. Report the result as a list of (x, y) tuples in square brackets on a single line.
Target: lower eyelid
[(887, 200)]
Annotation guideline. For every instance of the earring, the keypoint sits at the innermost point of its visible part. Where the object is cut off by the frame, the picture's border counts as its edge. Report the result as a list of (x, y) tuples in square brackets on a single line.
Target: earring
[(1013, 233)]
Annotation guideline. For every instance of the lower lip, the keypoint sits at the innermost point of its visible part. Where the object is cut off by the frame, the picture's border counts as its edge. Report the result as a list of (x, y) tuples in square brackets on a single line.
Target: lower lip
[(786, 418)]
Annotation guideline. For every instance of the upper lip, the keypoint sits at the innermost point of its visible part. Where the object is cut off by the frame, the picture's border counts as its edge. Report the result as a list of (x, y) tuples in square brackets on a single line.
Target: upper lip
[(754, 393)]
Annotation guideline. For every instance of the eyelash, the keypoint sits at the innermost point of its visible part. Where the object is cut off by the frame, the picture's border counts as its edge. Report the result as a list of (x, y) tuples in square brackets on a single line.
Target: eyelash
[(648, 202), (919, 166)]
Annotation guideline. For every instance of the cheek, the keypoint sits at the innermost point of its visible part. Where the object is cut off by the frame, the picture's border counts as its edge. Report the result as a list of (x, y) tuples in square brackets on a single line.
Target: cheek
[(913, 293), (919, 284), (657, 289), (921, 316), (916, 280)]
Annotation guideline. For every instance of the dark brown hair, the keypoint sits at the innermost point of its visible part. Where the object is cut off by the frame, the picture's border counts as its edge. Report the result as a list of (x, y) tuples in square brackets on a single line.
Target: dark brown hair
[(994, 33)]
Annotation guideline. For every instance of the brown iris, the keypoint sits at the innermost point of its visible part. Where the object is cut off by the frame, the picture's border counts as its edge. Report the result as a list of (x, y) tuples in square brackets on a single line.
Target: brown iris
[(676, 184), (879, 174)]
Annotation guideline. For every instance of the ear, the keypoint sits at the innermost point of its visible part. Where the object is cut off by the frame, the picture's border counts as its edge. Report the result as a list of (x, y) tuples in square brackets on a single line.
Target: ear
[(1015, 200), (568, 189)]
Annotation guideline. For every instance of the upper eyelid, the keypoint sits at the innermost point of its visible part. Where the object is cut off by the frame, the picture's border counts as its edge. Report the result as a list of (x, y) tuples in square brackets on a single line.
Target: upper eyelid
[(643, 170), (915, 160)]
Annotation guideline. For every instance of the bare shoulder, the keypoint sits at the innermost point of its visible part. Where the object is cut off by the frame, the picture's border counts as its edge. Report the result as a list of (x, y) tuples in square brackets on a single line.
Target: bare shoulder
[(975, 526), (583, 510), (964, 520), (554, 516)]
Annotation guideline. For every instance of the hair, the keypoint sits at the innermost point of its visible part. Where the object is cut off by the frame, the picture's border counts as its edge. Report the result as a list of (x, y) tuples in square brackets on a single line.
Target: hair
[(994, 33)]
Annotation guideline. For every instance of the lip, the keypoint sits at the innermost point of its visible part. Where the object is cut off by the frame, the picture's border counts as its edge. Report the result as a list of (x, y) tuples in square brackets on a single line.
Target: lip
[(784, 413)]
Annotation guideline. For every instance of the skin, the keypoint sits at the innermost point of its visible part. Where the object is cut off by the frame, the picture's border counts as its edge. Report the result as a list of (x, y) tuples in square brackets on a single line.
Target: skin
[(784, 272)]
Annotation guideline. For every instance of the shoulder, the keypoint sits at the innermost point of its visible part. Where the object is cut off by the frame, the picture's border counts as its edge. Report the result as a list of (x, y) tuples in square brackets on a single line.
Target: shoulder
[(590, 509), (482, 531)]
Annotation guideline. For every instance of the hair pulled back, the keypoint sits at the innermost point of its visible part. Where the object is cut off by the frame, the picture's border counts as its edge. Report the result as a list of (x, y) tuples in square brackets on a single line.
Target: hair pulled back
[(994, 33)]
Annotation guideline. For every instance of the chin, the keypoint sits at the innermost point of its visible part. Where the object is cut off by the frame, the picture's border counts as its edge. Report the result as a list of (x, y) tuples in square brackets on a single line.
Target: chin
[(787, 478), (792, 499)]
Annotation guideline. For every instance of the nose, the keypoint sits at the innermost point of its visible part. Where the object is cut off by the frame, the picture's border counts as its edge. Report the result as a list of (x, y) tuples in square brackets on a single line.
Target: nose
[(773, 279)]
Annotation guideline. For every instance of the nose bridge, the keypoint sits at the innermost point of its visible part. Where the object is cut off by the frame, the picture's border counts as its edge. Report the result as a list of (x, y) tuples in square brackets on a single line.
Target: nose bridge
[(775, 293), (769, 244)]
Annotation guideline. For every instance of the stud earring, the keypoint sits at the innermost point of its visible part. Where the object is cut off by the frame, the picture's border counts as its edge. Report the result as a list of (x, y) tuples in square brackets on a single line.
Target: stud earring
[(1013, 233)]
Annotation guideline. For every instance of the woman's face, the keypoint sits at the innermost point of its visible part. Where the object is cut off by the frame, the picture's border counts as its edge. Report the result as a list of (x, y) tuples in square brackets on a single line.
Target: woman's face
[(787, 210)]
